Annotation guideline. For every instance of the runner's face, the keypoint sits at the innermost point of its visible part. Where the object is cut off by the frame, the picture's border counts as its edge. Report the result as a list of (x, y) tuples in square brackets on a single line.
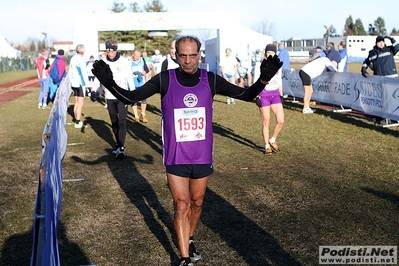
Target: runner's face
[(188, 57)]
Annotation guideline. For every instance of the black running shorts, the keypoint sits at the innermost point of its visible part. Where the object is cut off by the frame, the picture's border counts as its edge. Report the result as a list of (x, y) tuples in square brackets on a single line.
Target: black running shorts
[(190, 170)]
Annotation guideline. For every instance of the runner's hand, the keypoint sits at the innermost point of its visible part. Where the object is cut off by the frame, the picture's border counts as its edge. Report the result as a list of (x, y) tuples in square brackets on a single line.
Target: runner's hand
[(269, 67), (104, 74)]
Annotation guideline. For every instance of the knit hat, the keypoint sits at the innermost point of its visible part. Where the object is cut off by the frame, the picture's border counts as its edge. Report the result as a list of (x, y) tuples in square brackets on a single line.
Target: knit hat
[(271, 47), (313, 54), (379, 38)]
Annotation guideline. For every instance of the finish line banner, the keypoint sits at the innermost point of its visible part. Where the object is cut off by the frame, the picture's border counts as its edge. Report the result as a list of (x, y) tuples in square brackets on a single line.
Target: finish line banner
[(343, 255), (373, 95)]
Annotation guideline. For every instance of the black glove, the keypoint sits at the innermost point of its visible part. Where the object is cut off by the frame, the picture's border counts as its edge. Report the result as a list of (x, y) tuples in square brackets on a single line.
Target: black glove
[(364, 72), (269, 67), (104, 74)]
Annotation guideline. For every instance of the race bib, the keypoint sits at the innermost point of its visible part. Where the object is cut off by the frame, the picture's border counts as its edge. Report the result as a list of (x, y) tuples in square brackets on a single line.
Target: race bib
[(190, 124)]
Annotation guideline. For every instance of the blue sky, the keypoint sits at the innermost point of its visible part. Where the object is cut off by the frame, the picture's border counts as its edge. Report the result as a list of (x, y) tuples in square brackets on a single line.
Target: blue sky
[(24, 19)]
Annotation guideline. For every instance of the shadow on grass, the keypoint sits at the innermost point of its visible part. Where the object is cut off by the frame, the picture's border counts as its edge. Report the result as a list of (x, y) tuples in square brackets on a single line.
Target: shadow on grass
[(251, 242), (15, 252), (229, 133), (363, 120), (141, 194), (383, 195)]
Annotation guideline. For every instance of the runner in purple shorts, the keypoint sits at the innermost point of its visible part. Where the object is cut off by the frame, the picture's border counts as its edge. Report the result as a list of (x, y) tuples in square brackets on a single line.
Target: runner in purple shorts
[(271, 98)]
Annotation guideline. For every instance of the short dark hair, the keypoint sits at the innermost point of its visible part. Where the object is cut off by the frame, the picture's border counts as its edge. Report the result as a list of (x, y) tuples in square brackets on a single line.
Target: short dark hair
[(330, 44), (60, 52), (189, 38)]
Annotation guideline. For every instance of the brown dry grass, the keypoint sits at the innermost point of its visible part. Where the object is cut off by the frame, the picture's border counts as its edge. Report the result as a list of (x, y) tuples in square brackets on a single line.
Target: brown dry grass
[(334, 183)]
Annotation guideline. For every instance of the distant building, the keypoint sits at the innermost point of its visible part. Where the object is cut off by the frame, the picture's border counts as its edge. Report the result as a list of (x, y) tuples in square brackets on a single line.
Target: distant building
[(67, 46), (357, 47)]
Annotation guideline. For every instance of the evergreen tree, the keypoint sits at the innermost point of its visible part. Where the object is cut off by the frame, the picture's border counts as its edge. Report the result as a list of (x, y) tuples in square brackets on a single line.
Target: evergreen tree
[(379, 27), (348, 26), (140, 38), (358, 28)]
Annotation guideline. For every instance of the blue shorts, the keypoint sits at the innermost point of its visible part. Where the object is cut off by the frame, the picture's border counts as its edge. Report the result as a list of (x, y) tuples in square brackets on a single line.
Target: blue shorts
[(193, 171), (228, 76)]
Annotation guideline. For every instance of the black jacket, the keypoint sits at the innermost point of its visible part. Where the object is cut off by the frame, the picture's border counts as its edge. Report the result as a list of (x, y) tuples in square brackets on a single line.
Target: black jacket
[(381, 61)]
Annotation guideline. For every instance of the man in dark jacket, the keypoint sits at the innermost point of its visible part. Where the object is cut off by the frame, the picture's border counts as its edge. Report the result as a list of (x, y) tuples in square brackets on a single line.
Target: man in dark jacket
[(381, 58), (333, 54)]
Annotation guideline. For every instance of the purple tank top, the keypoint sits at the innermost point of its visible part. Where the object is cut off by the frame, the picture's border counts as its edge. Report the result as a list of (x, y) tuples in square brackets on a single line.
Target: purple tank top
[(187, 133)]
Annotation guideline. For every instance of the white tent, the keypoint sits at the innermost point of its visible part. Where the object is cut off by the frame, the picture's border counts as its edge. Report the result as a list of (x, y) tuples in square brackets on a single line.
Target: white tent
[(6, 50)]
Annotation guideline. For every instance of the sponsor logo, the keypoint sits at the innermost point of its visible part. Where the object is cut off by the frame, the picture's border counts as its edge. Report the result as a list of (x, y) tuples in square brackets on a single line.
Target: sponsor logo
[(190, 100)]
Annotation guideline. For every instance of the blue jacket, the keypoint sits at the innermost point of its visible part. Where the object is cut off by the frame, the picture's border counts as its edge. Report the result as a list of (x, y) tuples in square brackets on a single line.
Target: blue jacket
[(381, 61), (284, 57), (344, 60)]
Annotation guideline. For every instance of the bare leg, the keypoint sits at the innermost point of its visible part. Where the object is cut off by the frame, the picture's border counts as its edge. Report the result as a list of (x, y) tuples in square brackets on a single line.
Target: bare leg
[(188, 195)]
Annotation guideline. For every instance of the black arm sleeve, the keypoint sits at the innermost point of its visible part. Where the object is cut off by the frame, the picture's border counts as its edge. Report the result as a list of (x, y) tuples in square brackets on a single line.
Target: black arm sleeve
[(246, 94), (150, 88)]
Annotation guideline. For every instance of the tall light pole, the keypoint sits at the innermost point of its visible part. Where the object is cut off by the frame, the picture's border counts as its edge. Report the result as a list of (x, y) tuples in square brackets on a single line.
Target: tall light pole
[(45, 39)]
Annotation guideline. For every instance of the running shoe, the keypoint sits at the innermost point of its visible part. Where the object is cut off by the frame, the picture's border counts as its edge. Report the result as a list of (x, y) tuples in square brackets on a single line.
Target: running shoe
[(308, 111), (192, 251), (120, 153), (79, 125), (136, 120), (268, 151), (144, 118), (274, 146), (184, 263)]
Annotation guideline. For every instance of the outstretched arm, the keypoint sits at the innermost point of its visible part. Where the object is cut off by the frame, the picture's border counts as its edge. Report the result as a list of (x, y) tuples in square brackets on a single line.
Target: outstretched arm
[(104, 74)]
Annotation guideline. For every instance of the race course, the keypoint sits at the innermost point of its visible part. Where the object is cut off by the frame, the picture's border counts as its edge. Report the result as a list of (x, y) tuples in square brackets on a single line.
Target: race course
[(12, 90)]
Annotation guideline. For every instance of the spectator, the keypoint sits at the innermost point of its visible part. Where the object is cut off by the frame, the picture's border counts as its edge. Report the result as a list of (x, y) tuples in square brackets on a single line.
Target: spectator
[(333, 54), (320, 51), (381, 58), (316, 66), (284, 56), (57, 73), (187, 95), (43, 73), (79, 82), (343, 65)]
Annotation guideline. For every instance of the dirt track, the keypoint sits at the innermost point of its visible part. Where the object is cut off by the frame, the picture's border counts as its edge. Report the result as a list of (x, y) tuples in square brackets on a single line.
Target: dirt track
[(12, 90)]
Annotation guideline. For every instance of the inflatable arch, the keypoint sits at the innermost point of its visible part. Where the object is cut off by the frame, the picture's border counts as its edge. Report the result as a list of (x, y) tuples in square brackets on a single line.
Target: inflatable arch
[(230, 33)]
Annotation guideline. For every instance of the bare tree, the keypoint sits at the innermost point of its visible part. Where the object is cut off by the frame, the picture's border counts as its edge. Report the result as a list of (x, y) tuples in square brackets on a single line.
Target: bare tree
[(264, 27), (117, 7)]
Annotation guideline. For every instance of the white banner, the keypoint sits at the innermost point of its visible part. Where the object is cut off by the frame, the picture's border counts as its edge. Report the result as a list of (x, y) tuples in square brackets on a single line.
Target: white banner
[(373, 95)]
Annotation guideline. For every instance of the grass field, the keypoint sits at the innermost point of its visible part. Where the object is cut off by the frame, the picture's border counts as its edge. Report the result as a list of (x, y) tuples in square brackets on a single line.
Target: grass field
[(335, 182)]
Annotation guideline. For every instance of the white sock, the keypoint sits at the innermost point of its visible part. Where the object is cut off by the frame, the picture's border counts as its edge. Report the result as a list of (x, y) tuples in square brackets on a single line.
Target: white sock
[(272, 139)]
